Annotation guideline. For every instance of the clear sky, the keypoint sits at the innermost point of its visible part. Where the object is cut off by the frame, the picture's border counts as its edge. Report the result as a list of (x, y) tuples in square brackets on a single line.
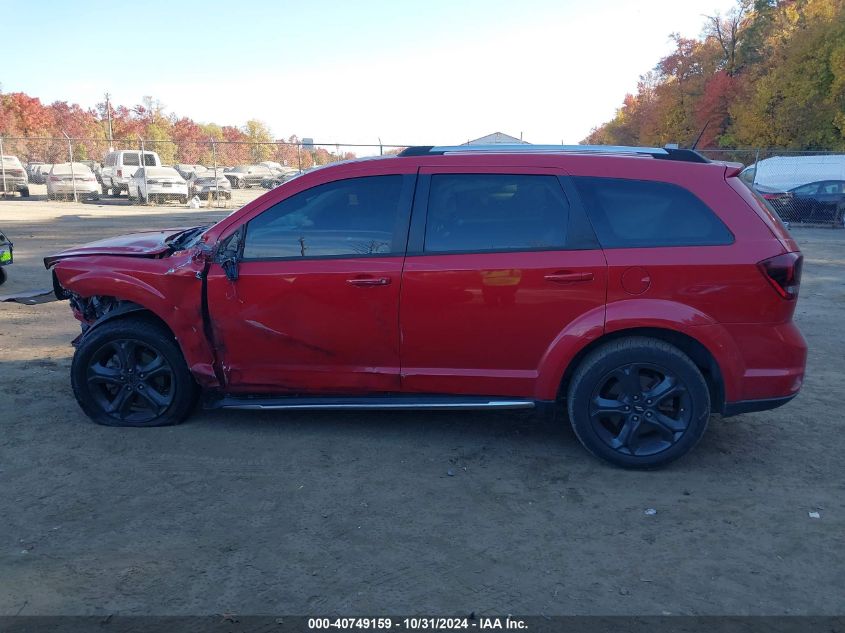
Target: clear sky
[(411, 72)]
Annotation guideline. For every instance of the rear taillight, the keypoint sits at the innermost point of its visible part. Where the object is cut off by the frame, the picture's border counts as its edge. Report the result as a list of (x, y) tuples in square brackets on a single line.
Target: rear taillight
[(120, 173), (784, 273), (53, 178)]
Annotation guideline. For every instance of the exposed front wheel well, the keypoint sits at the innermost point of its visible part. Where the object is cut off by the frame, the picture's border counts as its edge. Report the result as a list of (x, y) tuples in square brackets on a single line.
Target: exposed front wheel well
[(699, 355)]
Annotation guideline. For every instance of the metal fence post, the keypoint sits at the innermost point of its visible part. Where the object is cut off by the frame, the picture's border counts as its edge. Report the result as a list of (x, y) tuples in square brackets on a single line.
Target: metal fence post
[(756, 160), (214, 159), (70, 156), (2, 166), (144, 167), (299, 155)]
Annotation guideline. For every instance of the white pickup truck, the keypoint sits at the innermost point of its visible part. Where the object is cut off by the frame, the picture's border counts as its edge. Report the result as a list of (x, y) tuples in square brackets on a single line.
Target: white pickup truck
[(121, 165)]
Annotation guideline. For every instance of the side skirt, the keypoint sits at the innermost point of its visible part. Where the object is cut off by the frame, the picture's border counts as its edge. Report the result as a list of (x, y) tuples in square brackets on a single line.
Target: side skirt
[(368, 403)]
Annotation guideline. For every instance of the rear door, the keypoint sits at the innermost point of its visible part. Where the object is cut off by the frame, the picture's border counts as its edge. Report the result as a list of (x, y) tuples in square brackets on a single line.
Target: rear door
[(499, 263)]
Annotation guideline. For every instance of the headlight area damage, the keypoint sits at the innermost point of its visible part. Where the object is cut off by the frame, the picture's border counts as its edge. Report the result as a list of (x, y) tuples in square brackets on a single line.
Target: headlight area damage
[(158, 276)]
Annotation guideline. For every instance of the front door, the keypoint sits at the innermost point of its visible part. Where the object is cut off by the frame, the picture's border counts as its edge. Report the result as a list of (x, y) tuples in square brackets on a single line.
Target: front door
[(500, 267), (315, 306)]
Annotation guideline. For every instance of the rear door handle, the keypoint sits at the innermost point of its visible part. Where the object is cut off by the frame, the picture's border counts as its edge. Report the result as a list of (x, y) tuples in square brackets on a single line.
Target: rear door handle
[(369, 281), (568, 278)]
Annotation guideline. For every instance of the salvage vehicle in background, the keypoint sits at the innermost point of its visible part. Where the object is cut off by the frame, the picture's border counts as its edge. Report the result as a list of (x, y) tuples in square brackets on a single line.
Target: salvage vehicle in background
[(204, 183), (121, 165), (40, 172), (65, 180), (188, 170), (634, 291), (244, 176), (158, 184), (13, 178), (814, 203)]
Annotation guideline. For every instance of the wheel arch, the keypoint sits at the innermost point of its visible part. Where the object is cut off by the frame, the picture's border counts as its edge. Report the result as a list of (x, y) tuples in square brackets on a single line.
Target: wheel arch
[(698, 352)]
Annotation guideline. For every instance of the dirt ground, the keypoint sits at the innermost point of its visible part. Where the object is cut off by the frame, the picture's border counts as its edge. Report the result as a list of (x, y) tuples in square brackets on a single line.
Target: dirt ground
[(356, 513)]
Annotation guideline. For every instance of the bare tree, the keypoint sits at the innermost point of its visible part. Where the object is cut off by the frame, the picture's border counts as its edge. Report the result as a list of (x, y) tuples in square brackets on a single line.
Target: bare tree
[(727, 32)]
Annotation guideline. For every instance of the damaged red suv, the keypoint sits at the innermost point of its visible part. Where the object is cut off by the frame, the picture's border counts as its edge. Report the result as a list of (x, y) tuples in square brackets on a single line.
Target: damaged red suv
[(636, 290)]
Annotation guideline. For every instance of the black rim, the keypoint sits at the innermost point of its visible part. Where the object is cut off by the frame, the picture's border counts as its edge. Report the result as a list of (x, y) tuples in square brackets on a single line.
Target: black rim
[(131, 381), (640, 409)]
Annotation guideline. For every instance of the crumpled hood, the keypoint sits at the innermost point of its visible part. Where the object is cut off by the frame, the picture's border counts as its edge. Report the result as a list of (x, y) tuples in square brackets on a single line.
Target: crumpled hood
[(143, 244)]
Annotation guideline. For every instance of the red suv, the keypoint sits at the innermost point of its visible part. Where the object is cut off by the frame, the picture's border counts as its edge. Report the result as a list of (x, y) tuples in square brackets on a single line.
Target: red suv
[(638, 290)]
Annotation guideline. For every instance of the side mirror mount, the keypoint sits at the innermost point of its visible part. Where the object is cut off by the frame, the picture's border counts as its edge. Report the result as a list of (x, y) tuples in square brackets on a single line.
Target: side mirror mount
[(229, 254)]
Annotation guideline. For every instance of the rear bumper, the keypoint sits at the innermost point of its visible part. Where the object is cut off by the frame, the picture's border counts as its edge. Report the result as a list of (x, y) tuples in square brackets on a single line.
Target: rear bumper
[(774, 358), (750, 406)]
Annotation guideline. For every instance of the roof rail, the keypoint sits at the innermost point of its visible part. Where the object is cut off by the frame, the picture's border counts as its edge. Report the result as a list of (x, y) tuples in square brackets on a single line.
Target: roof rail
[(664, 153)]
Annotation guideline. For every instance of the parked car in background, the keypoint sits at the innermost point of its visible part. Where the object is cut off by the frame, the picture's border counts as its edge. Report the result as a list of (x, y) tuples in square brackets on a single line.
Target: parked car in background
[(40, 172), (187, 170), (244, 176), (14, 178), (271, 182), (32, 168), (820, 202), (121, 165), (635, 291), (787, 172), (273, 165), (96, 168), (64, 179), (157, 184), (203, 183)]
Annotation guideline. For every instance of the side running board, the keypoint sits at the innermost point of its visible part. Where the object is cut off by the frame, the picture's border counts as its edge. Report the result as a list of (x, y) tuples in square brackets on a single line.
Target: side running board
[(367, 403)]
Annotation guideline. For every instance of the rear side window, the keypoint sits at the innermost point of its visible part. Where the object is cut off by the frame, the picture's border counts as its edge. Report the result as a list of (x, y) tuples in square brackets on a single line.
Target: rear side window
[(644, 213), (131, 160), (495, 212)]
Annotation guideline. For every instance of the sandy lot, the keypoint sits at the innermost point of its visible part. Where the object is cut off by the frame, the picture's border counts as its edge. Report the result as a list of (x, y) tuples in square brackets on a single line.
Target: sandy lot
[(356, 513)]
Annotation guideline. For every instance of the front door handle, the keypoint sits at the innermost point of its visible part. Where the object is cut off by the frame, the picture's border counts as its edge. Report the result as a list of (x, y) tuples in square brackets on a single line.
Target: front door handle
[(369, 281), (568, 277)]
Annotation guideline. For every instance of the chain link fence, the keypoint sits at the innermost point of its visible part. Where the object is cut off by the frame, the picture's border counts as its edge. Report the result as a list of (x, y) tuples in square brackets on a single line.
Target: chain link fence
[(803, 187), (242, 165)]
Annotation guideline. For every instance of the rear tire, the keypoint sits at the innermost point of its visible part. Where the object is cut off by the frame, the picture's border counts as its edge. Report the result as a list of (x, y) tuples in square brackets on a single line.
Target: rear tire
[(25, 192), (3, 276), (131, 372), (241, 184), (638, 403), (115, 191)]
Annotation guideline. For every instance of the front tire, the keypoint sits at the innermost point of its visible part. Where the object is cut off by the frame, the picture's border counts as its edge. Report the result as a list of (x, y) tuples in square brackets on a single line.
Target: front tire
[(131, 372), (638, 403)]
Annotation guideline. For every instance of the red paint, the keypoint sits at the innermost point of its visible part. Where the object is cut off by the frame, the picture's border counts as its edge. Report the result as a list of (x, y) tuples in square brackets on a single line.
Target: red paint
[(490, 324)]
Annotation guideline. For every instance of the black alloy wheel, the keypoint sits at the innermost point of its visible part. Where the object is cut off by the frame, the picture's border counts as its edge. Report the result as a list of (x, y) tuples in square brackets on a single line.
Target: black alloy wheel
[(130, 381)]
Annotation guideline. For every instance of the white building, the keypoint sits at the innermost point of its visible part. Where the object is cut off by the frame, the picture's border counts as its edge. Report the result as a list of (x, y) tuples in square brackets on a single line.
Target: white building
[(496, 138)]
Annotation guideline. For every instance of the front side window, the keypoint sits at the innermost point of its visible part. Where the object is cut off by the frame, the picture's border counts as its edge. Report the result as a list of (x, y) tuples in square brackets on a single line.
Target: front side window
[(495, 212), (644, 213), (149, 159), (354, 217)]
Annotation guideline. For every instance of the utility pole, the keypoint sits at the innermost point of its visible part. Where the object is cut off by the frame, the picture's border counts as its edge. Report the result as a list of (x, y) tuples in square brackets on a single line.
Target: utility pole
[(108, 118)]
